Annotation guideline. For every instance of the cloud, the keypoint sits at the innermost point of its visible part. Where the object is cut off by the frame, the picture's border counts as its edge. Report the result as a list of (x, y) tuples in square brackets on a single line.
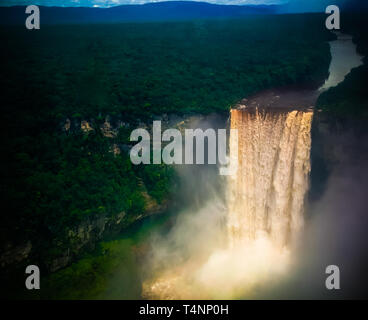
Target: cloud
[(292, 5), (311, 5), (110, 3)]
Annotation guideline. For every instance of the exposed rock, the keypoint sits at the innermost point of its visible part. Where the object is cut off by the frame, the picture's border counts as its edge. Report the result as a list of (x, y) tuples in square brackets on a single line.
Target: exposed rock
[(85, 236), (108, 130), (14, 254), (88, 233), (67, 125), (151, 205), (85, 126), (115, 149)]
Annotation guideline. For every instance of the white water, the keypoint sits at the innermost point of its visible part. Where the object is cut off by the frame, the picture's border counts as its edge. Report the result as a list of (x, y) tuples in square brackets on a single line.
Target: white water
[(267, 193)]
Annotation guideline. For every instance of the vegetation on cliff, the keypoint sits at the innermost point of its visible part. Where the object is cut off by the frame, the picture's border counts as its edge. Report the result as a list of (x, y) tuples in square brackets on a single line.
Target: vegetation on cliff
[(52, 178)]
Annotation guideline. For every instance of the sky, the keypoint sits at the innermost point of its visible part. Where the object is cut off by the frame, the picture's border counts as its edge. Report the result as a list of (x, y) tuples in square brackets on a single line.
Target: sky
[(108, 3), (293, 5)]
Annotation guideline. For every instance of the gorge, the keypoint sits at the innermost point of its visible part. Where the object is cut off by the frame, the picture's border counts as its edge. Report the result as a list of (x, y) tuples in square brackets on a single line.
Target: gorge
[(216, 248), (266, 199)]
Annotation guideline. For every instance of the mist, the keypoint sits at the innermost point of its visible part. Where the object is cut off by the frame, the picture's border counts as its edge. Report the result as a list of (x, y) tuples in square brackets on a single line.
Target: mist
[(193, 260), (335, 229)]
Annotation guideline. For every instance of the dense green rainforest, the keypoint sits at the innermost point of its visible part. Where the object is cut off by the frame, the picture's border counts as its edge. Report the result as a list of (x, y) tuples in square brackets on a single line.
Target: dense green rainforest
[(52, 179)]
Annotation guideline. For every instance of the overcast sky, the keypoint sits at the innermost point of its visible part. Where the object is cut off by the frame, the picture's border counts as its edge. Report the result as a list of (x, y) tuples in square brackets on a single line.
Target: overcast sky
[(295, 5)]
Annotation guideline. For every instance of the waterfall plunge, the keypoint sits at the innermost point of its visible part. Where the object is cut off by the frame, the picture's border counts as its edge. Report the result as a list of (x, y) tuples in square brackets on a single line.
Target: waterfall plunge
[(266, 196), (264, 211)]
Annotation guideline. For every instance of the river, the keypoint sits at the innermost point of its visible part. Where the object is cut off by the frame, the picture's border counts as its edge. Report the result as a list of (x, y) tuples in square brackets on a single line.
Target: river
[(344, 59), (118, 269)]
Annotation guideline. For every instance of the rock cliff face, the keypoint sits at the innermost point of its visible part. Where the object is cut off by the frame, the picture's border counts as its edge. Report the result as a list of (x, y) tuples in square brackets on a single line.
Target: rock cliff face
[(85, 235), (82, 237), (15, 253), (320, 166), (337, 144)]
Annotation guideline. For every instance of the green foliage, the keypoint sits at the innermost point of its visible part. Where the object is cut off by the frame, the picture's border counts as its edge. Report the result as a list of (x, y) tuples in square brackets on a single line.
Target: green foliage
[(138, 70), (111, 274), (51, 179), (123, 136), (160, 180), (68, 183), (350, 98)]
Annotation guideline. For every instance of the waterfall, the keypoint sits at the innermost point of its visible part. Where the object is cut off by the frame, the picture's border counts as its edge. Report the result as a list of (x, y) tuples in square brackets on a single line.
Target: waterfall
[(266, 195), (264, 210)]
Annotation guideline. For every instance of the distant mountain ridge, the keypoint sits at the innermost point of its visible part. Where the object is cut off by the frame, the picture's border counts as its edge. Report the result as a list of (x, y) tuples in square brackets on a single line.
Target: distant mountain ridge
[(159, 11)]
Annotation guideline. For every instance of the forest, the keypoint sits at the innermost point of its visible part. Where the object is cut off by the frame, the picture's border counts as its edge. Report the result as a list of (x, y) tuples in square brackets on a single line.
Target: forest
[(52, 179)]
